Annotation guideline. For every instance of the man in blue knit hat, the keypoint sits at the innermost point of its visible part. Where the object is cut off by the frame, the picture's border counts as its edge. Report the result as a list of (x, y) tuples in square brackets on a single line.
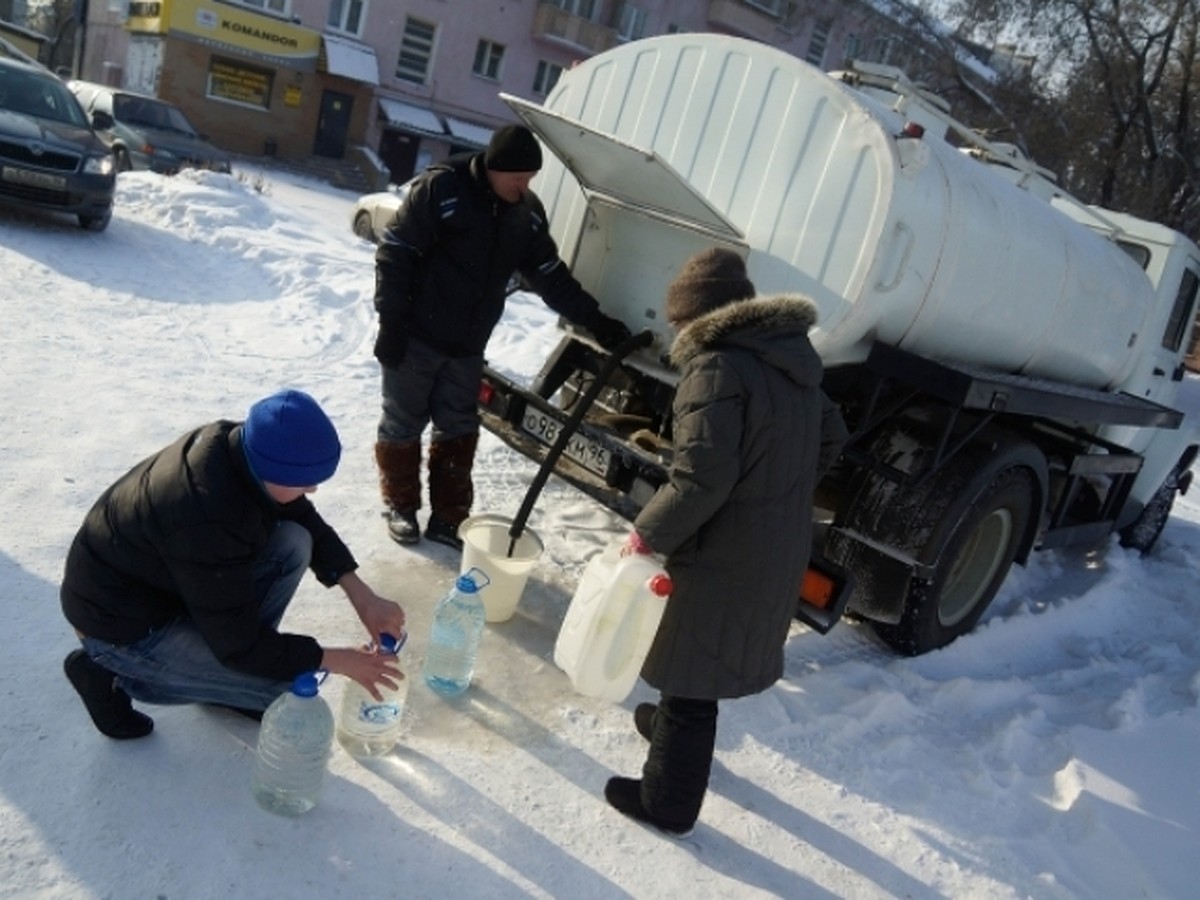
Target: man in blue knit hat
[(183, 569)]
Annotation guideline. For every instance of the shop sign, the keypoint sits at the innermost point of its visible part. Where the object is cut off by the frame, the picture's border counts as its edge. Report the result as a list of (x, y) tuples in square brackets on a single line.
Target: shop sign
[(219, 24), (229, 80)]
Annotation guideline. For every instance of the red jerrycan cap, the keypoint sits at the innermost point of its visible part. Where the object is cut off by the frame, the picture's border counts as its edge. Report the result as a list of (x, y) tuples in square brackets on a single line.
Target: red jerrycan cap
[(661, 585)]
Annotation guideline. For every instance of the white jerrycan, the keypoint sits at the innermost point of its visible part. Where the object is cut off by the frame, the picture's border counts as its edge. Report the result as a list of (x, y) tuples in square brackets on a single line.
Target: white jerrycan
[(611, 623)]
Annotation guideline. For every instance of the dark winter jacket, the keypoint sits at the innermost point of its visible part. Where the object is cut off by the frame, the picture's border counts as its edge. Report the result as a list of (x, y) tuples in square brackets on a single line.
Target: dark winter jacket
[(446, 258), (752, 433), (178, 535)]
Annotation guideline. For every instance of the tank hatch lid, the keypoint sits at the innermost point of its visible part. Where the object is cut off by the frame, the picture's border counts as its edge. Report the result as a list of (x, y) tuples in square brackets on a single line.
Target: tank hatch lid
[(632, 176)]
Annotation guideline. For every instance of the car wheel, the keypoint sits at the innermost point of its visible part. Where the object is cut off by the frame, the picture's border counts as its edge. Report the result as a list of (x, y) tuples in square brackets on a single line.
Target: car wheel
[(94, 223), (362, 227), (123, 162)]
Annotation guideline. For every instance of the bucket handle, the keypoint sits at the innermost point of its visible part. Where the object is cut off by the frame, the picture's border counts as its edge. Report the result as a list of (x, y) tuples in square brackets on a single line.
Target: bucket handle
[(634, 342)]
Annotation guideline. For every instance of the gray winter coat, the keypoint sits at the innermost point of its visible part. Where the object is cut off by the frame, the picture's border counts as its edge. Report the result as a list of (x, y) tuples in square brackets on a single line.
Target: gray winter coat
[(752, 434)]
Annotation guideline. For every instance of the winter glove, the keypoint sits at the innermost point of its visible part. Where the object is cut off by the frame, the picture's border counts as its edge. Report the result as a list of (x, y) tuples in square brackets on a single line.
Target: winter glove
[(635, 546), (609, 333), (390, 345)]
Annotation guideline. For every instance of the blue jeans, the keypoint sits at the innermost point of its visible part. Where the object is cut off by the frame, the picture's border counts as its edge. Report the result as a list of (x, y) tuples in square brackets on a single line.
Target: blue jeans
[(173, 664)]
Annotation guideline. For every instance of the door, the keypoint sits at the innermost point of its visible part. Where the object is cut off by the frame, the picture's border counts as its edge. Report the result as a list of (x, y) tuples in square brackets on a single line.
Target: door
[(399, 153), (333, 124)]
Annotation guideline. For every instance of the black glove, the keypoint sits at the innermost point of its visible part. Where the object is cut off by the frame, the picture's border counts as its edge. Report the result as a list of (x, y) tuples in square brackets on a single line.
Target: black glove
[(609, 333), (390, 345)]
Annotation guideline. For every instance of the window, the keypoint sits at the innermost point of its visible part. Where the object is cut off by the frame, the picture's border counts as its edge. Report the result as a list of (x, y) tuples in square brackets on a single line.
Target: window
[(881, 50), (416, 50), (790, 21), (279, 7), (347, 16), (585, 9), (1181, 312), (237, 82), (852, 47), (546, 77), (488, 57), (817, 43), (631, 22), (774, 7)]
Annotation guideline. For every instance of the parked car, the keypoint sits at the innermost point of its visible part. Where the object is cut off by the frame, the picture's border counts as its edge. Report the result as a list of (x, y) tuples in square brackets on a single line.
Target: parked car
[(372, 212), (50, 156), (148, 133)]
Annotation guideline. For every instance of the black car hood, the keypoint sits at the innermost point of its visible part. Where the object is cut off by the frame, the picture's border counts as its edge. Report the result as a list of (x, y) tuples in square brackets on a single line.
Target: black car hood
[(54, 134)]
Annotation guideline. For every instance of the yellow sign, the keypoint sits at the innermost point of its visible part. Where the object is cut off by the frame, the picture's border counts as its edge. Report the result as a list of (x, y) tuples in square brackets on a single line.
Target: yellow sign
[(222, 25), (238, 83), (147, 17), (291, 95)]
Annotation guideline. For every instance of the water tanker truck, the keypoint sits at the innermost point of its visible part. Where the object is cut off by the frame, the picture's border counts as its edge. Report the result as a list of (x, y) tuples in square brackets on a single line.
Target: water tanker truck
[(1006, 358)]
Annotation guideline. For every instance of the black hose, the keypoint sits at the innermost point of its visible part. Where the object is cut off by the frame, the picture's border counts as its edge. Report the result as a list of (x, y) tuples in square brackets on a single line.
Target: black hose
[(583, 404)]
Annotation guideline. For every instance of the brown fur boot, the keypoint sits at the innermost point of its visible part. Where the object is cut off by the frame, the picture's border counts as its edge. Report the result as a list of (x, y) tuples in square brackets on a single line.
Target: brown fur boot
[(400, 483), (450, 487)]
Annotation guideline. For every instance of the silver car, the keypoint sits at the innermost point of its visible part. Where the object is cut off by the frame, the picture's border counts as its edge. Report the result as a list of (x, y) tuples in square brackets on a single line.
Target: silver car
[(372, 212), (148, 133)]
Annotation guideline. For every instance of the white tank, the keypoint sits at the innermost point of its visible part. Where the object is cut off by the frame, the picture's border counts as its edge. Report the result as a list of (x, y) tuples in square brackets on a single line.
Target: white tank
[(683, 141)]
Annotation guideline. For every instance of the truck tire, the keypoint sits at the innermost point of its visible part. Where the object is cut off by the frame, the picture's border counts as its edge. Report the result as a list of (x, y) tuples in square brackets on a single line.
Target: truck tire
[(965, 525), (973, 563), (1142, 533)]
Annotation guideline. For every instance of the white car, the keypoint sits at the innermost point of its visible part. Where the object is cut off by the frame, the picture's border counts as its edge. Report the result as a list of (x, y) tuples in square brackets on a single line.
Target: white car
[(372, 212)]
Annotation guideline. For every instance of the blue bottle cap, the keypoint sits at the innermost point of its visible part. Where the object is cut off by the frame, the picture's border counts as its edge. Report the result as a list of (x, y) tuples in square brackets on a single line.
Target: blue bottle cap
[(306, 685), (466, 584), (389, 643)]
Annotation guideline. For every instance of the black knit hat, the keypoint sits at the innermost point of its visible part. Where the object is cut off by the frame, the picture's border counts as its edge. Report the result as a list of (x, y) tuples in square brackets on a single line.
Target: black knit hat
[(513, 148), (709, 280)]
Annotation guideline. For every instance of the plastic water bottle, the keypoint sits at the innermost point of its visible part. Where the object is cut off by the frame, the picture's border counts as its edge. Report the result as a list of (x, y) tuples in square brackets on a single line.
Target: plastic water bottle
[(294, 744), (370, 727), (454, 638)]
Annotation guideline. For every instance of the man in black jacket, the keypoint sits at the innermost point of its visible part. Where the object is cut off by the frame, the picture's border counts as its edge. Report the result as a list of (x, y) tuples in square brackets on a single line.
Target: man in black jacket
[(441, 273), (182, 571)]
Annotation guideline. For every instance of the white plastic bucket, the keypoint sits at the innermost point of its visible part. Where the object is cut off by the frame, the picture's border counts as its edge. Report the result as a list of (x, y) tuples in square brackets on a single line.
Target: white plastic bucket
[(485, 545), (611, 623)]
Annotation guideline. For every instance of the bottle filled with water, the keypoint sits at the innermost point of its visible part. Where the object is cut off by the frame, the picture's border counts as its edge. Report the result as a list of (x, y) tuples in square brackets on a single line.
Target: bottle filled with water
[(454, 639), (294, 744), (370, 727)]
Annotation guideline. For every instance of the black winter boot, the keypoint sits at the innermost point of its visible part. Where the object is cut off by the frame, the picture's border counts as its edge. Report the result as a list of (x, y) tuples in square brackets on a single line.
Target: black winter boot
[(450, 489), (109, 706), (675, 776), (643, 719), (400, 483), (625, 796)]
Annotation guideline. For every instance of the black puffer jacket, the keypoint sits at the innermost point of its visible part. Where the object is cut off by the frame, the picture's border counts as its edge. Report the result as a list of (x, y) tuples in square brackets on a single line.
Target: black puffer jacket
[(752, 433), (178, 536), (446, 258)]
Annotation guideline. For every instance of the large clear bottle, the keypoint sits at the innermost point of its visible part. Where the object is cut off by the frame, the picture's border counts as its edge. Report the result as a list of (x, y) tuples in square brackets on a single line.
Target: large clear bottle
[(454, 639), (294, 744), (370, 727)]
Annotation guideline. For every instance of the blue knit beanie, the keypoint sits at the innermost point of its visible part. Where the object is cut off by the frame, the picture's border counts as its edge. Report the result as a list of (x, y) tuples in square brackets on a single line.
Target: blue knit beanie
[(290, 441)]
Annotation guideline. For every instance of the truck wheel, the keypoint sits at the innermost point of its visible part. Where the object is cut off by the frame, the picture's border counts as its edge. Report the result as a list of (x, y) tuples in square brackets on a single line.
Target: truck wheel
[(972, 563), (1142, 533)]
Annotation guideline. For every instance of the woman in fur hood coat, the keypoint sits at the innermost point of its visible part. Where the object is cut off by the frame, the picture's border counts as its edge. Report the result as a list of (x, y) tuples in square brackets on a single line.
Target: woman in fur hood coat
[(752, 435)]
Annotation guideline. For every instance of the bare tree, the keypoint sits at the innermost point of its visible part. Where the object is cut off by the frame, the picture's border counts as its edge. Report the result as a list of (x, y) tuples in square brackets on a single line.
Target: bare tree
[(1113, 92)]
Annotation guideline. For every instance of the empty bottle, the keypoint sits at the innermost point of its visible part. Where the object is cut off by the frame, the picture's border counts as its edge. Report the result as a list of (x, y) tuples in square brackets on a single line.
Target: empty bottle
[(454, 638), (370, 727), (294, 744)]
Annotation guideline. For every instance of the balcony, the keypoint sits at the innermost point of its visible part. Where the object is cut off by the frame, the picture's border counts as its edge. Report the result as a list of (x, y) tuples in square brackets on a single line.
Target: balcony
[(753, 19), (553, 24)]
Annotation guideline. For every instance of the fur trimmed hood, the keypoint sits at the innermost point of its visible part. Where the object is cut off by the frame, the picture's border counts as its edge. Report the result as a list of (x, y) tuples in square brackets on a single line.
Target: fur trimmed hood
[(773, 327)]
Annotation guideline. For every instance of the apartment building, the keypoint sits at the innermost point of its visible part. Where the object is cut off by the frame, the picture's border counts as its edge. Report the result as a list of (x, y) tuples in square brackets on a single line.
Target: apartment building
[(398, 84)]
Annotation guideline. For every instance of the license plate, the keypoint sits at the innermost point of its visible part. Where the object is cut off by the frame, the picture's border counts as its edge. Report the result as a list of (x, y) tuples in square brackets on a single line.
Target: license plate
[(582, 450), (36, 179)]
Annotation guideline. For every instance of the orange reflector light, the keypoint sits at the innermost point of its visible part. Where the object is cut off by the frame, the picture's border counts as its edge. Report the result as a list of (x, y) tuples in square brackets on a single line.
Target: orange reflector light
[(661, 586), (817, 589), (486, 393)]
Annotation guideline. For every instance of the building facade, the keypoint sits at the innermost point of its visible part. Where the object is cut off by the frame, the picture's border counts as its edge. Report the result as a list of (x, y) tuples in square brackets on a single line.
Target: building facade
[(397, 84)]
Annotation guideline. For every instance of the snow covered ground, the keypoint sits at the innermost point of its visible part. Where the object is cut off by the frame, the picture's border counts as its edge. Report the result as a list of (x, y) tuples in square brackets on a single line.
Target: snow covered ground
[(1050, 754)]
